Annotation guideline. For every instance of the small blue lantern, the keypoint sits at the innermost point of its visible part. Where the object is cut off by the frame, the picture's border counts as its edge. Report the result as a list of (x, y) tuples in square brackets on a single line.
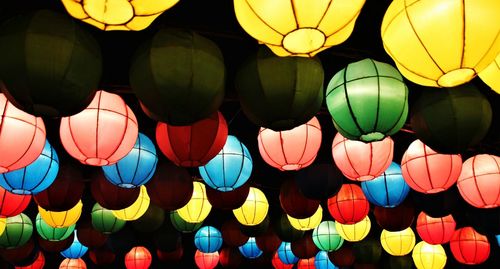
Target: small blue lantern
[(136, 168), (498, 239), (250, 249), (322, 261), (387, 190), (285, 253), (208, 239), (35, 177), (230, 169), (76, 250)]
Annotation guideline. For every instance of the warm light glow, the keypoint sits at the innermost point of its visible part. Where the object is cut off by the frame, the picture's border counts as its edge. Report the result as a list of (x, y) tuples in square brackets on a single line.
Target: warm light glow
[(138, 258), (307, 224), (206, 260), (198, 208), (426, 256), (137, 209), (398, 243), (73, 264), (491, 75), (354, 232), (349, 205), (435, 230), (3, 223), (61, 219), (254, 210), (469, 247)]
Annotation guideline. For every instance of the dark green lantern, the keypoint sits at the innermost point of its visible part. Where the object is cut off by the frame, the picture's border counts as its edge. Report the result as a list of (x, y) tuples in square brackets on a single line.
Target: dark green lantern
[(151, 220), (326, 237), (368, 100), (105, 221), (50, 233), (178, 76), (50, 66), (280, 93), (18, 230), (181, 225)]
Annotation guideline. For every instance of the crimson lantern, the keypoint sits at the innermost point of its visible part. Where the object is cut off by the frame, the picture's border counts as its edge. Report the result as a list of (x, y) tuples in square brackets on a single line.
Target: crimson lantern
[(38, 263), (435, 230), (278, 264), (469, 246), (102, 133), (12, 204), (294, 203), (206, 260), (349, 205), (138, 258), (110, 196), (306, 263)]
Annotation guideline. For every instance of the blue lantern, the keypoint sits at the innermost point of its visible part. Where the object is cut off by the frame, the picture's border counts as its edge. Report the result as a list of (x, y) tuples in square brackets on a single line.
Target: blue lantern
[(208, 239), (285, 253), (250, 249), (35, 177), (498, 239), (230, 169), (387, 190), (136, 168), (76, 250), (322, 261)]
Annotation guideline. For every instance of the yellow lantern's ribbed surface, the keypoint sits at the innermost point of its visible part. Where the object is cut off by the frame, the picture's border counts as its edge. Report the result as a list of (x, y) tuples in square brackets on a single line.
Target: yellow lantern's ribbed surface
[(198, 208), (354, 232), (307, 223), (254, 210), (61, 219), (3, 222), (298, 27), (398, 243), (427, 256), (118, 14), (137, 209), (491, 75), (442, 43)]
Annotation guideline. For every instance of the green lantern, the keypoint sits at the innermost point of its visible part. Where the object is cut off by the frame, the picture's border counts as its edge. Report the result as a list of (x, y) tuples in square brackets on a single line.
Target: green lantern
[(50, 233), (105, 221), (178, 76), (50, 66), (280, 93), (368, 100), (181, 225), (18, 230), (326, 237), (151, 220)]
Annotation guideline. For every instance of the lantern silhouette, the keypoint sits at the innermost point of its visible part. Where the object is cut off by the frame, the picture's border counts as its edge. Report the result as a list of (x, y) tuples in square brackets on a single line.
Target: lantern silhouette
[(55, 246), (171, 187), (206, 260), (354, 232), (387, 190), (367, 251), (254, 210), (12, 204), (250, 250), (298, 32), (490, 74), (151, 220), (278, 264), (439, 56), (230, 258), (343, 257), (292, 149), (285, 253), (479, 181), (308, 223), (182, 225), (50, 233), (61, 219), (349, 205), (18, 230), (138, 258), (232, 234), (208, 239), (398, 243), (73, 264), (137, 209), (256, 230), (103, 133), (230, 168), (294, 203), (198, 208), (228, 200), (362, 161), (427, 256), (193, 145), (306, 264), (397, 218), (110, 196), (304, 248), (285, 231), (105, 221), (89, 236), (319, 181), (269, 241), (326, 237), (469, 246), (38, 263), (76, 250), (435, 230), (102, 256), (172, 256), (167, 238), (20, 255), (322, 261)]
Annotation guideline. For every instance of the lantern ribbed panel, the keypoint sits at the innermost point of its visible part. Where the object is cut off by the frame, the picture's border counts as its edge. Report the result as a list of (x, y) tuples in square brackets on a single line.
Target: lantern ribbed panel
[(278, 264), (254, 210), (208, 239), (322, 261), (12, 204), (198, 207), (349, 205), (427, 256), (306, 263), (73, 264), (206, 260), (50, 233), (61, 219), (38, 263), (398, 243), (138, 258), (309, 223), (18, 230), (250, 250), (76, 250), (387, 190), (285, 253), (326, 237), (137, 209), (490, 75), (469, 246), (435, 230), (354, 232)]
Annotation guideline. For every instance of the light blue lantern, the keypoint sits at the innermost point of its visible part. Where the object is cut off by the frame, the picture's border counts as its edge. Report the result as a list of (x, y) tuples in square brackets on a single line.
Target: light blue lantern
[(250, 249), (34, 178), (208, 239), (322, 261), (285, 253), (76, 250), (230, 168), (387, 190), (498, 239), (136, 168)]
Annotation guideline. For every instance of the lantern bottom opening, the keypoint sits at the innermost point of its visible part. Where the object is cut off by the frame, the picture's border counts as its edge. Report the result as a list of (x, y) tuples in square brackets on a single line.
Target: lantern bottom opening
[(96, 162), (304, 40), (370, 137), (456, 77)]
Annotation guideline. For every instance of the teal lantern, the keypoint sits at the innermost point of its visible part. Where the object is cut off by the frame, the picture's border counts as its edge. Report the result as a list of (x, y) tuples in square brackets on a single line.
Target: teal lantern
[(368, 100), (50, 233), (18, 230), (326, 237), (104, 221)]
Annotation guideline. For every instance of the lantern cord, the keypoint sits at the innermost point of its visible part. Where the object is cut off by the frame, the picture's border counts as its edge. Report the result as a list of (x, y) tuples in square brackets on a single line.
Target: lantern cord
[(234, 116)]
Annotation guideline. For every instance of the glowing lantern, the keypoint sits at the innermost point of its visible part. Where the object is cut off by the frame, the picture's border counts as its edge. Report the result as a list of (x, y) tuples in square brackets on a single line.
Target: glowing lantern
[(469, 246), (110, 196), (349, 205), (138, 258), (230, 168), (254, 210), (490, 75), (18, 230), (232, 234), (206, 260), (38, 263), (426, 256), (12, 204), (73, 264), (50, 233), (354, 232), (182, 225), (387, 190), (103, 133), (435, 230), (294, 203), (137, 209), (306, 264), (61, 219), (171, 187), (3, 224), (285, 253), (278, 264), (326, 237), (479, 181), (250, 249), (208, 239), (319, 181), (76, 250), (398, 243), (309, 223), (362, 161), (198, 208), (292, 149), (322, 261), (105, 221)]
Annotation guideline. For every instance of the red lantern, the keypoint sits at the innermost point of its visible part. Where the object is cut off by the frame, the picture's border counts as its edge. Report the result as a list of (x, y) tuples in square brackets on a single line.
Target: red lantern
[(230, 258), (206, 260), (102, 133), (479, 182), (138, 258), (12, 204), (269, 241), (73, 264), (294, 203), (102, 256), (435, 230), (344, 257), (278, 264), (193, 145), (170, 256), (427, 171), (349, 205), (304, 248), (232, 234), (22, 138), (39, 262), (469, 246), (306, 263), (110, 196), (292, 149), (228, 200), (361, 161)]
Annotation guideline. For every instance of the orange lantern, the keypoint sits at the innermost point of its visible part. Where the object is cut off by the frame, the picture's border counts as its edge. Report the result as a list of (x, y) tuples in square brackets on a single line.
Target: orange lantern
[(73, 264), (469, 246), (206, 260), (435, 230), (138, 258), (349, 205)]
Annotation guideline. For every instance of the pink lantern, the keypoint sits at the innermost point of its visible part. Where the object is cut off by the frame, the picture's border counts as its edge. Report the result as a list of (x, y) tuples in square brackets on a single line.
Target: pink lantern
[(292, 149), (361, 161), (427, 171)]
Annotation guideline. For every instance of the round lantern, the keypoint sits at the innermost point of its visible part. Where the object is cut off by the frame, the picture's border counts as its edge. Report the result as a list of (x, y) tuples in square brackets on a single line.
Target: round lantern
[(398, 243), (103, 133), (280, 93), (206, 260), (35, 177), (136, 168), (198, 207), (61, 219), (250, 250), (269, 241), (322, 261), (138, 258), (89, 236), (344, 257), (490, 74), (294, 203), (38, 263), (230, 168), (397, 218), (349, 205), (105, 221), (232, 233), (285, 231), (306, 264), (309, 223), (182, 225), (292, 149), (435, 230), (278, 264), (427, 256), (387, 190), (55, 246), (479, 181), (326, 237), (12, 204), (21, 255), (469, 246), (446, 50), (297, 31), (137, 209), (110, 196), (73, 264), (285, 253), (361, 161), (102, 256), (171, 187), (304, 248), (228, 200), (319, 181), (76, 250), (254, 210), (354, 232), (230, 258), (18, 230), (208, 239), (50, 233)]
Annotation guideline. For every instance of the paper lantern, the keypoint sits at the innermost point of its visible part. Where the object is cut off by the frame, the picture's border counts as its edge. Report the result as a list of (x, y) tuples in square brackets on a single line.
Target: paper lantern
[(20, 255), (292, 149), (137, 209), (304, 248), (110, 196), (367, 251), (3, 223), (39, 262), (387, 190), (435, 230), (254, 210), (306, 264), (322, 261), (447, 49), (349, 205), (469, 246), (280, 93), (354, 232), (319, 181), (228, 200), (138, 258), (198, 208), (398, 243), (50, 233), (397, 218), (326, 237), (171, 187), (230, 258), (309, 223), (232, 234), (103, 133), (73, 264), (490, 74), (193, 145), (427, 256), (344, 257), (285, 231), (250, 250), (294, 203), (76, 250), (278, 264), (182, 225), (362, 161), (269, 241), (12, 204), (298, 31), (61, 219), (151, 220), (206, 260), (208, 239), (55, 246), (102, 256), (230, 168), (479, 181), (18, 230), (105, 221), (89, 236), (285, 253)]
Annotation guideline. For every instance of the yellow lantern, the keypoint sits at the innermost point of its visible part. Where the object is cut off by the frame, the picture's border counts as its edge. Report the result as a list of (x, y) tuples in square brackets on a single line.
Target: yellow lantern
[(307, 224), (398, 243), (442, 43), (3, 222), (354, 232), (298, 27), (61, 219), (198, 208), (491, 75), (118, 14), (135, 210), (427, 256), (254, 209)]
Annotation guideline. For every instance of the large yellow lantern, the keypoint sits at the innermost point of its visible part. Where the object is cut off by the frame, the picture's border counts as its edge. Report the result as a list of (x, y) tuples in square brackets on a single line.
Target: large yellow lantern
[(398, 243), (442, 43), (354, 232), (254, 209), (307, 224), (61, 219), (135, 210), (427, 256), (298, 27), (118, 14), (491, 75), (198, 208)]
